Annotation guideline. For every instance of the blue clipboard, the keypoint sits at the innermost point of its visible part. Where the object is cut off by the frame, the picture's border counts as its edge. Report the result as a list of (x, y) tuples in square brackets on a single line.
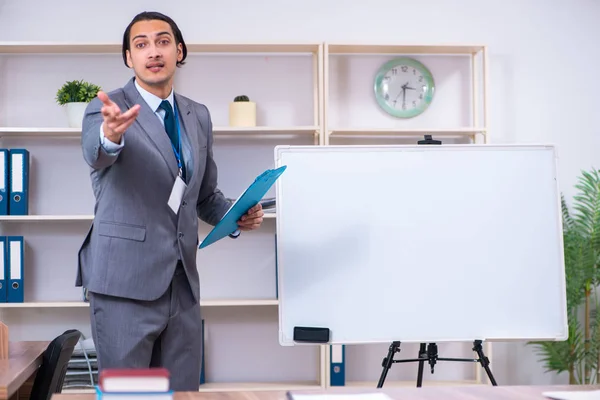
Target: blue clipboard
[(248, 199)]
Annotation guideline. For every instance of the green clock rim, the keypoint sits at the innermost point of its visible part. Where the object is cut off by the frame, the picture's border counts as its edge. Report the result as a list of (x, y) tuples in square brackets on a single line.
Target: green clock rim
[(411, 62)]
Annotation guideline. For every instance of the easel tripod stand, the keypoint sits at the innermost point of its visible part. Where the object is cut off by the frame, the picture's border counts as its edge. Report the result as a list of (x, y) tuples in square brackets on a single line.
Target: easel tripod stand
[(428, 352)]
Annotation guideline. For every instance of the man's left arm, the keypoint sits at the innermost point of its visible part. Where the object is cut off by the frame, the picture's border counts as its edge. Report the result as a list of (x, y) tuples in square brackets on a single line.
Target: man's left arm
[(212, 204)]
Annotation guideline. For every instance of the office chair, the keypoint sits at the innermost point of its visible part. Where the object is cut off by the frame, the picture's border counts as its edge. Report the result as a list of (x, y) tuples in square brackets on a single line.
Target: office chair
[(52, 372)]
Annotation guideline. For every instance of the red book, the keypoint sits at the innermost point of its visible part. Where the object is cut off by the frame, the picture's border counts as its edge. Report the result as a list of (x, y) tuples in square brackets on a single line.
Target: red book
[(131, 380)]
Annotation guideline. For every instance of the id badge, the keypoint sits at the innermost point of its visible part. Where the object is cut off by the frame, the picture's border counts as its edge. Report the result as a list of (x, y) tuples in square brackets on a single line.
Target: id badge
[(177, 194)]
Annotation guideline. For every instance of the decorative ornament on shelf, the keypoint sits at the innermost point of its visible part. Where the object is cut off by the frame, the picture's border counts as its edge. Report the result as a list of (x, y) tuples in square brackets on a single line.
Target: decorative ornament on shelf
[(242, 112), (75, 97), (404, 87)]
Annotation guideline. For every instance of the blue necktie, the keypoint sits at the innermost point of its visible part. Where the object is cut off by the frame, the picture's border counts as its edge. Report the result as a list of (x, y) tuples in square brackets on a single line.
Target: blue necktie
[(171, 128)]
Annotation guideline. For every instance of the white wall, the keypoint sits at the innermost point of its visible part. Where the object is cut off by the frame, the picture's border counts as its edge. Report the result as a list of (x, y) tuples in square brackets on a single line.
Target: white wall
[(543, 88)]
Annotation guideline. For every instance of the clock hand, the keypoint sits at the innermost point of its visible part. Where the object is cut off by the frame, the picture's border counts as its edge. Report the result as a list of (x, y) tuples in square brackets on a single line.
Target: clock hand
[(399, 93)]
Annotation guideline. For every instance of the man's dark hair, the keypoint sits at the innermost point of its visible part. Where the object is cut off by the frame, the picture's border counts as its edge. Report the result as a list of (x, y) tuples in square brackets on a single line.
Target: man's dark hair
[(149, 16)]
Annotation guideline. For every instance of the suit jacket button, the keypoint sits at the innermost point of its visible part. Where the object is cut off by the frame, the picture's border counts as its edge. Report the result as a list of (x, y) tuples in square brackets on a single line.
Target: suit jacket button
[(180, 234), (184, 203)]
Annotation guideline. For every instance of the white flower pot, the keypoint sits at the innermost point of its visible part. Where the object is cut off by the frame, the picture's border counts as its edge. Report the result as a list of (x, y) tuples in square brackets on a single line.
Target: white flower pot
[(242, 113), (75, 112)]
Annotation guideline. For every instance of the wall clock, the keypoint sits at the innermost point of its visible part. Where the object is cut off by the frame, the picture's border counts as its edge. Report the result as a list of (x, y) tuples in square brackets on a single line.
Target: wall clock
[(404, 87)]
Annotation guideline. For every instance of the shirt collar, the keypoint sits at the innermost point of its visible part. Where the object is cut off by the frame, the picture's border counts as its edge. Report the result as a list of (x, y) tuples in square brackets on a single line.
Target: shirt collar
[(153, 100)]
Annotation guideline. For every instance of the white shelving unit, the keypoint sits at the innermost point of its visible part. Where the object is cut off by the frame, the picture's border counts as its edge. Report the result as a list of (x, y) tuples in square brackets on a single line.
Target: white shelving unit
[(458, 113), (54, 221), (336, 79)]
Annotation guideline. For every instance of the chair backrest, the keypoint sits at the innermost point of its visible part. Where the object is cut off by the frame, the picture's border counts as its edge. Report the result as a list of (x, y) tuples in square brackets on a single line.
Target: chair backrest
[(52, 372)]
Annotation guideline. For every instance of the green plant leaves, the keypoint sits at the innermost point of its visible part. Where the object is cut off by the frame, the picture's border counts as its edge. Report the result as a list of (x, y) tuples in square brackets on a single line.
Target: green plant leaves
[(580, 353), (76, 91)]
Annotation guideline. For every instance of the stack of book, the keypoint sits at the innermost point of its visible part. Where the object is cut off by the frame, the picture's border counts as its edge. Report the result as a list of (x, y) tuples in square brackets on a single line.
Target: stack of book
[(137, 383)]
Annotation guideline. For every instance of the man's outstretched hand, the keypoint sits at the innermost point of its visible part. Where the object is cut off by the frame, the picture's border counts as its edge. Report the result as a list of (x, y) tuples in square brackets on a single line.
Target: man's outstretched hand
[(115, 122)]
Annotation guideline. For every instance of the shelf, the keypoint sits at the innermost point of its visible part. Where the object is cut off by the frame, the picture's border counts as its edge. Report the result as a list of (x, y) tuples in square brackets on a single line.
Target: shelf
[(115, 48), (258, 386), (66, 218), (391, 48), (44, 218), (239, 303), (389, 383), (78, 391), (258, 131), (402, 132), (52, 304), (235, 387), (264, 131), (39, 132), (203, 303)]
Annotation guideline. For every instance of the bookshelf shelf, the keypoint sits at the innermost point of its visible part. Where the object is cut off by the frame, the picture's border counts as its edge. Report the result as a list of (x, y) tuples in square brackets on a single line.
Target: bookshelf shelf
[(391, 383), (67, 218), (115, 48), (203, 303), (403, 132), (394, 48), (45, 218), (257, 386), (235, 387), (258, 132)]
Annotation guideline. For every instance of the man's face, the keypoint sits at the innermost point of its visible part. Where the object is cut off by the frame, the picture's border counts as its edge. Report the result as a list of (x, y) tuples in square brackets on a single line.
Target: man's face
[(153, 53)]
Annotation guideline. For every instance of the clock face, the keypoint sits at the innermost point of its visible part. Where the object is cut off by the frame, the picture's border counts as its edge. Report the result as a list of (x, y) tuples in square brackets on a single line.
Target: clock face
[(404, 87)]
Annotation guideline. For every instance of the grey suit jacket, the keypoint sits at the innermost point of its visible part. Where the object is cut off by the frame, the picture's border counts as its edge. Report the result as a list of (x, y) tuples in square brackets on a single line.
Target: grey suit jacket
[(132, 247)]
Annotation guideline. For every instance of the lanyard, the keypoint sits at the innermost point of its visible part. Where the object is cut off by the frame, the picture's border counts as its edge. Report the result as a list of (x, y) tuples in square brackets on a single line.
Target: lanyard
[(177, 153)]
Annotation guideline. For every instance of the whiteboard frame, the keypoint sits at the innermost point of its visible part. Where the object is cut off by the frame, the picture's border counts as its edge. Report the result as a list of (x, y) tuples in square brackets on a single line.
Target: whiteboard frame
[(280, 149)]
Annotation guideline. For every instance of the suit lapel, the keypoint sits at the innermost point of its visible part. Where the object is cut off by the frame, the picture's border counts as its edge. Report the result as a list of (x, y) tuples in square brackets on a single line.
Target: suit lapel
[(151, 126), (188, 119)]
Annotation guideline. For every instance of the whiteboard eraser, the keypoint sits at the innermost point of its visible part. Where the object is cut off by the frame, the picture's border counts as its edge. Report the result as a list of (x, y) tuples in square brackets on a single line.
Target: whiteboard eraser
[(311, 334)]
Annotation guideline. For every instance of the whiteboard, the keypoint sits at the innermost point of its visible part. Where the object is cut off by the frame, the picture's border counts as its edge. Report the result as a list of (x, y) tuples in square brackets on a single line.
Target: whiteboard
[(420, 243)]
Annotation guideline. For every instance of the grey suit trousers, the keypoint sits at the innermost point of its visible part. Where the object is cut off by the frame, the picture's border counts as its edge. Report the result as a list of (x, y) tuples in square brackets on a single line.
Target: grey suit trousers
[(166, 332)]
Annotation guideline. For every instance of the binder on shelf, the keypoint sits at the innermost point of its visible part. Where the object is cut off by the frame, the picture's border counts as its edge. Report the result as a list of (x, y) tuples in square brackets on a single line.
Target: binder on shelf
[(4, 270), (337, 365), (4, 180), (202, 364), (15, 263), (19, 182)]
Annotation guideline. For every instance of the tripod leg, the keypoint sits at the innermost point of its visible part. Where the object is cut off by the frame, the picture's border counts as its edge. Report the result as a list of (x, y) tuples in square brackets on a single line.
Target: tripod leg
[(387, 362), (422, 355), (485, 362)]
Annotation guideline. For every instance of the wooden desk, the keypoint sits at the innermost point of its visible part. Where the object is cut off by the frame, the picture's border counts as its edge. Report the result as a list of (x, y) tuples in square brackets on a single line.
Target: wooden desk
[(21, 366), (479, 392)]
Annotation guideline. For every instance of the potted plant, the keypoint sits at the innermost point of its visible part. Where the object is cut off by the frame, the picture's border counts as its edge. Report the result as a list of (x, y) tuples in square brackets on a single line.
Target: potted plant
[(242, 112), (579, 355), (75, 96)]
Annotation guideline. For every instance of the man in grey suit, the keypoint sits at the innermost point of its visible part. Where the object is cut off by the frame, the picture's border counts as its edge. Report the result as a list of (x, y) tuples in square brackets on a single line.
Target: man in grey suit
[(153, 175)]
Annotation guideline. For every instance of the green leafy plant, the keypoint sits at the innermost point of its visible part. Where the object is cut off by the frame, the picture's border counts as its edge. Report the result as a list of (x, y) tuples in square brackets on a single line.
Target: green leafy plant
[(241, 98), (579, 355), (76, 91)]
